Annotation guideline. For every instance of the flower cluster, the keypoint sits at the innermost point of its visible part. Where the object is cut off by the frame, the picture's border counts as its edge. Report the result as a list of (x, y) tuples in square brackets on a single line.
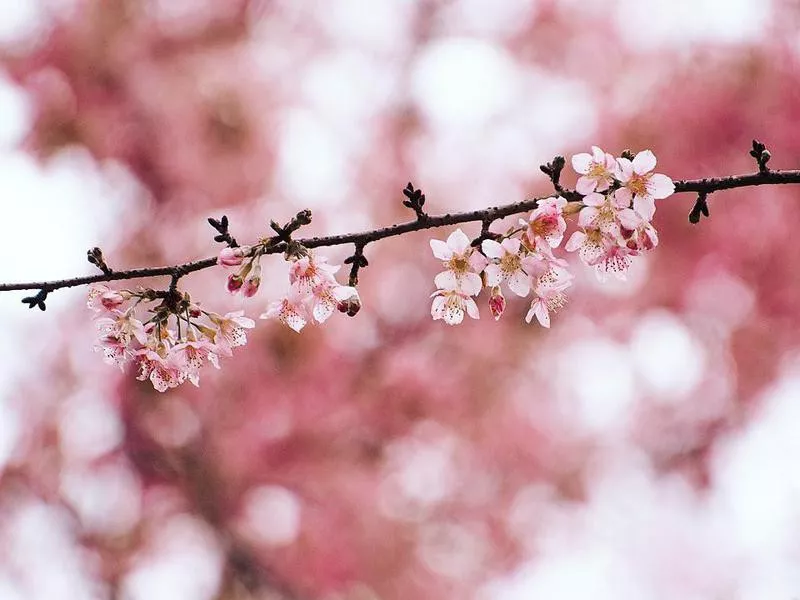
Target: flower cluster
[(618, 206), (313, 294), (525, 265), (172, 345), (614, 220)]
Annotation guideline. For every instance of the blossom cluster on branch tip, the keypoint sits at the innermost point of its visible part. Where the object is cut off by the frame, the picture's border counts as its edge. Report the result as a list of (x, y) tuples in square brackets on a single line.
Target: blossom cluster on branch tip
[(313, 294), (170, 346), (614, 226)]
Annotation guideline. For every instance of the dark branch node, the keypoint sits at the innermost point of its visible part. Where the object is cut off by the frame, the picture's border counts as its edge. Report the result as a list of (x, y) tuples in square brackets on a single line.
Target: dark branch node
[(357, 261), (37, 300), (222, 229), (700, 208), (762, 156), (553, 171), (95, 256), (415, 201)]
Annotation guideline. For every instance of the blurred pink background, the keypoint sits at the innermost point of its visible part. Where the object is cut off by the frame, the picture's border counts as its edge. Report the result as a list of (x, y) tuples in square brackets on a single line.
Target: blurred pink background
[(642, 448)]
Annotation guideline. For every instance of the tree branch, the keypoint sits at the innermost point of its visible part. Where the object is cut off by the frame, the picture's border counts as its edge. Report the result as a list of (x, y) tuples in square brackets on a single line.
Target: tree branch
[(362, 238)]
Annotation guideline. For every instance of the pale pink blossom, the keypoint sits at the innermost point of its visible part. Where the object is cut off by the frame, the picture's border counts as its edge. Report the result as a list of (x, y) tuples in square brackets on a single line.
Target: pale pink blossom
[(638, 233), (602, 212), (162, 372), (102, 298), (462, 263), (311, 270), (451, 303), (602, 251), (508, 267), (641, 185), (191, 355), (546, 222), (114, 351), (548, 292), (596, 169), (289, 310), (325, 297), (230, 330), (123, 326)]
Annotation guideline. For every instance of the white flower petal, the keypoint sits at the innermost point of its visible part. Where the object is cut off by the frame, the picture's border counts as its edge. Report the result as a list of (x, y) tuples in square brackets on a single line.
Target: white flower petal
[(519, 283), (492, 249), (494, 275), (472, 308), (660, 186), (644, 162), (446, 280), (645, 206), (458, 241), (582, 162), (441, 250)]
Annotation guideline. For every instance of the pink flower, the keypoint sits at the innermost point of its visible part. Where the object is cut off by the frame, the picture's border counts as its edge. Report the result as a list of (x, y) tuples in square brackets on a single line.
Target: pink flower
[(309, 271), (546, 222), (289, 310), (102, 298), (235, 283), (596, 169), (509, 265), (114, 351), (325, 297), (602, 212), (124, 327), (230, 332), (162, 372), (497, 303), (461, 262), (450, 305), (190, 356), (602, 251), (640, 185), (548, 292)]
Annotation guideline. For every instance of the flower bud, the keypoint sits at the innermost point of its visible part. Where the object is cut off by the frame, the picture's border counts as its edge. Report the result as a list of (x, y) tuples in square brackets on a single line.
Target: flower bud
[(497, 303), (234, 283), (231, 257), (350, 306)]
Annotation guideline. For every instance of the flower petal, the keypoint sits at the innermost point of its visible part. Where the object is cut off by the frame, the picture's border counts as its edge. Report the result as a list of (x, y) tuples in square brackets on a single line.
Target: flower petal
[(586, 185), (458, 241), (492, 249), (644, 162), (581, 162), (446, 280), (645, 206), (494, 275), (472, 308), (575, 241), (519, 283), (441, 250), (660, 186)]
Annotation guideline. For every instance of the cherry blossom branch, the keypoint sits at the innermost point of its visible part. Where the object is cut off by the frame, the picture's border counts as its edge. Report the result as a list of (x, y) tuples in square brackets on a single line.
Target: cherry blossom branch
[(282, 241)]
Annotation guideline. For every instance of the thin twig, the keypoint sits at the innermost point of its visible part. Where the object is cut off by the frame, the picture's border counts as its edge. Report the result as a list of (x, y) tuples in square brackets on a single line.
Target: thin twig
[(699, 186)]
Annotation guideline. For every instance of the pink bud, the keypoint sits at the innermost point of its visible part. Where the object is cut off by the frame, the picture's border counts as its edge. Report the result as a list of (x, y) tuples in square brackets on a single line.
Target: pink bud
[(234, 283), (230, 257), (497, 303), (251, 287)]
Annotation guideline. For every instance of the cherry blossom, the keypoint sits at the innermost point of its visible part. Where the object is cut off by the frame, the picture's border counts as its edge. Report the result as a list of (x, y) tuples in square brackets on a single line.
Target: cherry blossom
[(596, 169), (546, 222), (508, 267), (462, 263), (231, 330), (450, 304), (642, 186)]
